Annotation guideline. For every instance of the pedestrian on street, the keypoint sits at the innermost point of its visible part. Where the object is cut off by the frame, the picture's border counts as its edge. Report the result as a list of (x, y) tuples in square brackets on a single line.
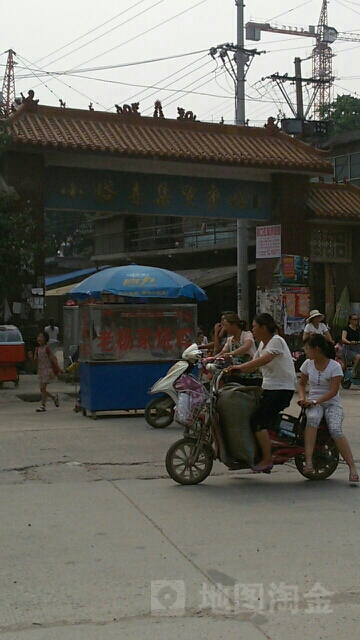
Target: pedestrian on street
[(314, 324), (53, 332), (43, 358)]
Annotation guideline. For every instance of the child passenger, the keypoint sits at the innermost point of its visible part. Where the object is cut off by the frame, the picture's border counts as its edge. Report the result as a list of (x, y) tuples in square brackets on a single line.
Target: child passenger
[(323, 375)]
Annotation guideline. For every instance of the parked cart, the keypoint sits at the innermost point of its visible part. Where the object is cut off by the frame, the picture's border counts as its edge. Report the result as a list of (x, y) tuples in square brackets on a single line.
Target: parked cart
[(12, 353)]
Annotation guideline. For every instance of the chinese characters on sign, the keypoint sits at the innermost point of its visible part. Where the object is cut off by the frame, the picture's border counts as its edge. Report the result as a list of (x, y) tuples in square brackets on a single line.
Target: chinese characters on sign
[(171, 194), (268, 241), (127, 333), (168, 597)]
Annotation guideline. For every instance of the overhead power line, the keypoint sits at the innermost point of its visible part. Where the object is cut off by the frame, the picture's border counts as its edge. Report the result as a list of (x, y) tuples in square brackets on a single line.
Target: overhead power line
[(160, 24), (73, 72), (88, 33), (106, 33)]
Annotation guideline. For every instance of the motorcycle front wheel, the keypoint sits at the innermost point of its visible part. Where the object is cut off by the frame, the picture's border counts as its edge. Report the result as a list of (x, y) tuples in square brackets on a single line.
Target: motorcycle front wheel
[(159, 412), (181, 464), (325, 462)]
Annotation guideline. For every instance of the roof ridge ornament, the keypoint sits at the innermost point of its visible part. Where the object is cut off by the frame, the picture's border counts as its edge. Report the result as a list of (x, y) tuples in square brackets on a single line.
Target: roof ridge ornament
[(271, 126), (29, 100), (128, 109), (158, 111), (186, 115)]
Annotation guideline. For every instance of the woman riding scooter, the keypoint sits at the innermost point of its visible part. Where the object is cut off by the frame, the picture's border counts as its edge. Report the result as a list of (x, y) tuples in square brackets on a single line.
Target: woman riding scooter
[(350, 338), (275, 362), (241, 346)]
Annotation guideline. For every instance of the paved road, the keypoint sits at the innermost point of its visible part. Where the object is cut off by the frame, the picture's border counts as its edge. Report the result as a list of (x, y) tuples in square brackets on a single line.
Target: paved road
[(97, 541)]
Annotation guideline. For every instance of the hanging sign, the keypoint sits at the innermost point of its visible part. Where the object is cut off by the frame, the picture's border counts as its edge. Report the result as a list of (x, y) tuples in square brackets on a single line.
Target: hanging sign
[(268, 241)]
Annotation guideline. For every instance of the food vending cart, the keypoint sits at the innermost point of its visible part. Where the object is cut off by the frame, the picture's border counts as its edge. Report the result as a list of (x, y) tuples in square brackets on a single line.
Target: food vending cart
[(125, 348), (12, 353)]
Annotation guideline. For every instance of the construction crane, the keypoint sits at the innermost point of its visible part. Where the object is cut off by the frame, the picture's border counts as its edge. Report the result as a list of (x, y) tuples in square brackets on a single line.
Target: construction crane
[(7, 96), (321, 54)]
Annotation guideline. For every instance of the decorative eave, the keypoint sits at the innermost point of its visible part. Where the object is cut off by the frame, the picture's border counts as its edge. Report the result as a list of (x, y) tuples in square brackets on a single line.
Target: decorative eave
[(334, 201), (128, 134)]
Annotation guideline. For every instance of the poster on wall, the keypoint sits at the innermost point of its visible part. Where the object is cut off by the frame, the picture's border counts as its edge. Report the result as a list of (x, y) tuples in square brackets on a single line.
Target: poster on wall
[(270, 301), (290, 306), (268, 241), (295, 308), (292, 270)]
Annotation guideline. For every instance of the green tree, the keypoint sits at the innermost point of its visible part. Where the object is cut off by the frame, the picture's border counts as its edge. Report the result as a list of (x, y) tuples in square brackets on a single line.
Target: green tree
[(18, 246), (344, 113)]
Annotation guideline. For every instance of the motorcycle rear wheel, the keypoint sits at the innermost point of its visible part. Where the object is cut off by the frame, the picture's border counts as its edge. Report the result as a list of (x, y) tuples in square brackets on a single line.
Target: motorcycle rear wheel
[(325, 462), (345, 383), (159, 412), (182, 468)]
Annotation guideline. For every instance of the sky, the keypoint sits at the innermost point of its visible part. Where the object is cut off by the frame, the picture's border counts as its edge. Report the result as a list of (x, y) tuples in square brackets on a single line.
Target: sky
[(142, 50)]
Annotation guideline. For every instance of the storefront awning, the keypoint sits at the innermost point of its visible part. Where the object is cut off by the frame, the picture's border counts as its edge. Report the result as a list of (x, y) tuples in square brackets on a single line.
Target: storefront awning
[(207, 277)]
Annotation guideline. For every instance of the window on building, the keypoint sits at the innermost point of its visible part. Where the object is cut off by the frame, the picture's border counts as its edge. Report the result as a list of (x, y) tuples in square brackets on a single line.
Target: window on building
[(330, 245)]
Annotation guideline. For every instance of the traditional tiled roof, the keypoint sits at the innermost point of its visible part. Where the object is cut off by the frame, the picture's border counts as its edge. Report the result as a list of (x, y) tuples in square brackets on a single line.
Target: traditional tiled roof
[(339, 201), (180, 140)]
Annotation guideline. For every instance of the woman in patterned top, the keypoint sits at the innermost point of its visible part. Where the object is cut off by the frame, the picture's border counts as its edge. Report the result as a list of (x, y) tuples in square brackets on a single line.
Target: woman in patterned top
[(44, 370)]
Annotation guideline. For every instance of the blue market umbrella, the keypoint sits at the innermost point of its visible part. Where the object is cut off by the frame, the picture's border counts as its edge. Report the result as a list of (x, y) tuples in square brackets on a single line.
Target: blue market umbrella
[(137, 281)]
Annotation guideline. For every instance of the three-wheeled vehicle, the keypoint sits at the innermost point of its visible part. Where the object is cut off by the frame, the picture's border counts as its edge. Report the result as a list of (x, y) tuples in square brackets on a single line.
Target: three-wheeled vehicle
[(12, 353)]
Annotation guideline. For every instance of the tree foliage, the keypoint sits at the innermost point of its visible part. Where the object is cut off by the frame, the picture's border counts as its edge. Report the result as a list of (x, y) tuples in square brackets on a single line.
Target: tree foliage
[(344, 113), (68, 235), (18, 246)]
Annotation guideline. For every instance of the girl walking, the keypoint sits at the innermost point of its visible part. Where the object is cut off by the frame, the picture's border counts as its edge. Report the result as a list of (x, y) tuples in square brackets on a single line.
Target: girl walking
[(45, 372)]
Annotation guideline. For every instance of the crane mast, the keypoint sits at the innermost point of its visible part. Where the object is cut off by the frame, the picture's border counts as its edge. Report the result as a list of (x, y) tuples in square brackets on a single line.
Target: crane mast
[(322, 62), (321, 54)]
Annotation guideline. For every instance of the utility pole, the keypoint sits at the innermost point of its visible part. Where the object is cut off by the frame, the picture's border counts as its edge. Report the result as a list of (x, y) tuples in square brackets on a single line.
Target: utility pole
[(241, 224), (243, 58), (8, 87), (298, 86)]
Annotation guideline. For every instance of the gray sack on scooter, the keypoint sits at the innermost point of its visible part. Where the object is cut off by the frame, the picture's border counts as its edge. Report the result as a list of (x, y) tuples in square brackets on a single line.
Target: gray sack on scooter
[(235, 406)]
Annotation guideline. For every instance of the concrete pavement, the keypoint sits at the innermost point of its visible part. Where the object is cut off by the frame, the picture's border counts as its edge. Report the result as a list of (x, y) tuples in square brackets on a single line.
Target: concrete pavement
[(98, 542)]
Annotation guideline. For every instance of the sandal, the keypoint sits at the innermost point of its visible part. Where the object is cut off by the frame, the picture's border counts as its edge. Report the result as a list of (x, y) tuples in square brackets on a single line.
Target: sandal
[(353, 478), (56, 400), (41, 409)]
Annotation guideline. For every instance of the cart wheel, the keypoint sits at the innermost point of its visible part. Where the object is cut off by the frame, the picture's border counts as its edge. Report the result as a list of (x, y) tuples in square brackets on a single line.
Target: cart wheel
[(84, 412), (93, 415)]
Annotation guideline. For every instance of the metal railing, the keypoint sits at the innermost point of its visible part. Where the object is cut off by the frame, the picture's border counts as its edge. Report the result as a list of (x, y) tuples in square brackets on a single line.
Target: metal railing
[(178, 235)]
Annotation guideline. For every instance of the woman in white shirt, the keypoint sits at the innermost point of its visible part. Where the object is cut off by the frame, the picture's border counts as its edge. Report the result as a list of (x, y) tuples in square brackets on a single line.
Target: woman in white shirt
[(53, 332), (323, 375), (275, 362), (314, 324)]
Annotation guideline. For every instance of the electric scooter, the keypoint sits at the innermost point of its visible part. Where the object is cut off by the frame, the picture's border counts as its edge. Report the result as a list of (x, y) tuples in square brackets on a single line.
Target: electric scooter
[(159, 412), (216, 426)]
